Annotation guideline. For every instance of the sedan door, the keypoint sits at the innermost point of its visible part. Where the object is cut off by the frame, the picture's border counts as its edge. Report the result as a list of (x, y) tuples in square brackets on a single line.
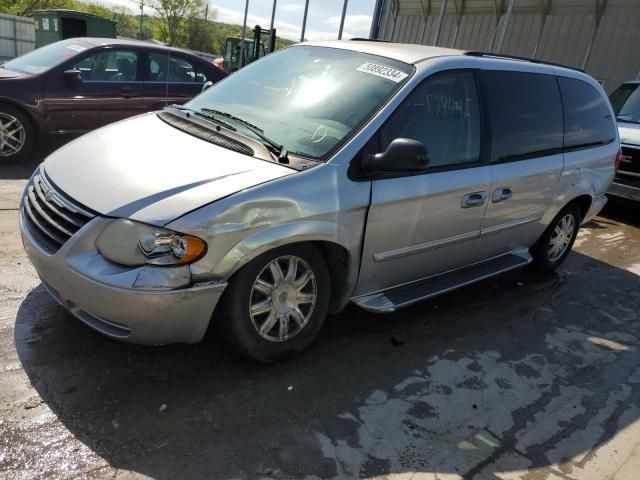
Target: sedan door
[(425, 224), (527, 158), (108, 90), (170, 79)]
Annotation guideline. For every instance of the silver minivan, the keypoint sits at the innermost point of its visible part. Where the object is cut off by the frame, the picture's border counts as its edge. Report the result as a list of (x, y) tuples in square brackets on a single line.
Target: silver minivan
[(326, 173)]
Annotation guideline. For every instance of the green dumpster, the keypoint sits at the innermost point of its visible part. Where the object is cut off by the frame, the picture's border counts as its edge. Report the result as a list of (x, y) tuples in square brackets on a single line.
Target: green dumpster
[(59, 24)]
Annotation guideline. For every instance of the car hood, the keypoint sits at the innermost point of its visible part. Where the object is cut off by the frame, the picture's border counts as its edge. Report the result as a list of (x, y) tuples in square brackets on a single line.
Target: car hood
[(629, 133), (4, 73), (148, 171)]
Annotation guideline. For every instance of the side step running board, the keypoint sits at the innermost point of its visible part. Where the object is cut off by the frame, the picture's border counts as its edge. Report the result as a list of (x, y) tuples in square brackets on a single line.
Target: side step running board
[(414, 292)]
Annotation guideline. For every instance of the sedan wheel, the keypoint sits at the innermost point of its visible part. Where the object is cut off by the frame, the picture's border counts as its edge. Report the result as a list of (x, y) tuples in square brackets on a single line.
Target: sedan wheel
[(13, 135)]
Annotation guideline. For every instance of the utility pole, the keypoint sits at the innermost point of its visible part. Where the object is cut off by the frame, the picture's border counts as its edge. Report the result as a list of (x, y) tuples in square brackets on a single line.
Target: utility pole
[(206, 12), (244, 33), (344, 13), (141, 16), (272, 40), (304, 20)]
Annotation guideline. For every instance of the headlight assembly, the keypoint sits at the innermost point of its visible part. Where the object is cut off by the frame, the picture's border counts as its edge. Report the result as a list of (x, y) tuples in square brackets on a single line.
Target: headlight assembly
[(131, 243)]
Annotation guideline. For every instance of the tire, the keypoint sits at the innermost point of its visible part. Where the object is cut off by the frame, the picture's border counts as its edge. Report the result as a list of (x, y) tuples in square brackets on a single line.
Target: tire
[(546, 258), (274, 331), (16, 131)]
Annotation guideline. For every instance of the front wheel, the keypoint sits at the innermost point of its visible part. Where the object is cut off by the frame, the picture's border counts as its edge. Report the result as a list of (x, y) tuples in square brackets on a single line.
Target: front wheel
[(555, 243), (16, 134), (275, 305)]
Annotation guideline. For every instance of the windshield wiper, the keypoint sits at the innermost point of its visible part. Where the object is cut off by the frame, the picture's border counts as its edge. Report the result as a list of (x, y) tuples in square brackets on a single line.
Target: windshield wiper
[(207, 116), (281, 154)]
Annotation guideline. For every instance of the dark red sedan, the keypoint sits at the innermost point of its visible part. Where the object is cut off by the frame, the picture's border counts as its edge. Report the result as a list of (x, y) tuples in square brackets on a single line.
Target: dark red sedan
[(77, 85)]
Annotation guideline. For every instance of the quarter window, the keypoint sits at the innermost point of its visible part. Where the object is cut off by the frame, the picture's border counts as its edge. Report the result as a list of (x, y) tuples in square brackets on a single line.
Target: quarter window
[(109, 66), (587, 118), (443, 113), (526, 115)]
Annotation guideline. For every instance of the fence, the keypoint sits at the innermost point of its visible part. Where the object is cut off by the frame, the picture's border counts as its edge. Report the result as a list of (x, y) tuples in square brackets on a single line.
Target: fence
[(17, 36)]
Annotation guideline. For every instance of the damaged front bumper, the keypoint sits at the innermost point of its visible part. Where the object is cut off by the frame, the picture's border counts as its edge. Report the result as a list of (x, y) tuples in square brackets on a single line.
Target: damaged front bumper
[(146, 305)]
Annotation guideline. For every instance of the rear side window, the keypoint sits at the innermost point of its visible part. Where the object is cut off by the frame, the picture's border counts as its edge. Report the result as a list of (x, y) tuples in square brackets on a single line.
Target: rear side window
[(587, 118), (526, 115)]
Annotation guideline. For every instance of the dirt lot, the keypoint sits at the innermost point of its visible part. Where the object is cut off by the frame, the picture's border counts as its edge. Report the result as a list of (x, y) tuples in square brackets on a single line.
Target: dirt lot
[(521, 376)]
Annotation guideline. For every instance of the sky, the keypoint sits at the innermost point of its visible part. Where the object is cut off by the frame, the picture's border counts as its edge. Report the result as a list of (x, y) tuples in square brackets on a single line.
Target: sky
[(323, 19)]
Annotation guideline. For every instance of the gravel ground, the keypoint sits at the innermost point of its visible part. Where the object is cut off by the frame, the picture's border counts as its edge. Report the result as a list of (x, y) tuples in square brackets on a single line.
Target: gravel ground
[(522, 376)]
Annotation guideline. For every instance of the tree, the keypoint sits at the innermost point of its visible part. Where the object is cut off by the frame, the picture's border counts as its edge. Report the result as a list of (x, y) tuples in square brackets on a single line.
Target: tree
[(126, 25), (174, 16), (25, 8), (201, 32)]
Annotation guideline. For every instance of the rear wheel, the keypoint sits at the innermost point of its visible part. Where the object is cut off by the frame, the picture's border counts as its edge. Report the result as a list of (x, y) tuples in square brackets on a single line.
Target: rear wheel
[(16, 134), (275, 306), (555, 243)]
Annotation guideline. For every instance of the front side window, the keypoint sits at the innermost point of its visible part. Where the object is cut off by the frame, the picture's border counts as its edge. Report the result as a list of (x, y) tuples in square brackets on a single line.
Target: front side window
[(587, 118), (47, 57), (307, 99), (443, 113), (526, 114), (626, 103), (109, 66)]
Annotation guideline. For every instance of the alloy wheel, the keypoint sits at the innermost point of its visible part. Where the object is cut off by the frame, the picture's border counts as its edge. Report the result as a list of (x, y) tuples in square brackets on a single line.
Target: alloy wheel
[(283, 298), (561, 237), (12, 135)]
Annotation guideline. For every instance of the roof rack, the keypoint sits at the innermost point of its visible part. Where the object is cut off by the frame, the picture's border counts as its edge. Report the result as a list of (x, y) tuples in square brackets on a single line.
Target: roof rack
[(362, 39), (473, 53)]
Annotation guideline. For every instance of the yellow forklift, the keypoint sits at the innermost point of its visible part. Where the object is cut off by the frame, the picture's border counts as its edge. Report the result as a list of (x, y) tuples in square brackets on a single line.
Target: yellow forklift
[(235, 57)]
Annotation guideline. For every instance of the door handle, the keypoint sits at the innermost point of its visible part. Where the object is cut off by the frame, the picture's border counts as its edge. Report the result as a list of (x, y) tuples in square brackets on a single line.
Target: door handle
[(501, 194), (125, 91), (474, 199)]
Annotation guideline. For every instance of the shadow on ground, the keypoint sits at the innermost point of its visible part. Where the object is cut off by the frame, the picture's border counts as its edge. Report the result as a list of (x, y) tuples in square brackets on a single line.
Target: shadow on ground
[(518, 372)]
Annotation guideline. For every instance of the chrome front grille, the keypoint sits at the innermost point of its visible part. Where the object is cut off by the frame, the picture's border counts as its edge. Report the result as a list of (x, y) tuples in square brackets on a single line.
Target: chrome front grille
[(51, 217)]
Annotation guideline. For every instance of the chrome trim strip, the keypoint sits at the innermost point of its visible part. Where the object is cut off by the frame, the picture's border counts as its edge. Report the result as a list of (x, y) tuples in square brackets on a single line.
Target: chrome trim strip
[(512, 224), (423, 247)]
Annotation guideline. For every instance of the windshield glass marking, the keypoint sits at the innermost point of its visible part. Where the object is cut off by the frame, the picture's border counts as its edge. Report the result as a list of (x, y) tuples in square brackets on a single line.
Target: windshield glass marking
[(382, 71)]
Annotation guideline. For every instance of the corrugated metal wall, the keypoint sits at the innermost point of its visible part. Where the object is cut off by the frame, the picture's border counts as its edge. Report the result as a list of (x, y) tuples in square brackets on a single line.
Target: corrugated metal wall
[(17, 36), (562, 35)]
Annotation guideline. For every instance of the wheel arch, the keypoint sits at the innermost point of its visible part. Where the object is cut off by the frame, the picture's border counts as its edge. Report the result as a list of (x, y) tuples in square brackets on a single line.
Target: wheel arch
[(35, 125), (339, 247)]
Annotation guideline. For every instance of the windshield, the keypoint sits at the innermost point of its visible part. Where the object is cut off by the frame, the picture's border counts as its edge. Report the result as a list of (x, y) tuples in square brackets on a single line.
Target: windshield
[(626, 103), (46, 57), (307, 99)]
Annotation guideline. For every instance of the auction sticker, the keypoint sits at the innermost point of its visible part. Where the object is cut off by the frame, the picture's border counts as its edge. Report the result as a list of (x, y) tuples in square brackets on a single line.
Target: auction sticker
[(383, 71), (76, 48)]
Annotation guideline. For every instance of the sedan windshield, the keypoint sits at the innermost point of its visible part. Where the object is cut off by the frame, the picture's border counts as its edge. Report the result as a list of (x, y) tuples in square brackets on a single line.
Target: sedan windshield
[(47, 57), (626, 103), (305, 99)]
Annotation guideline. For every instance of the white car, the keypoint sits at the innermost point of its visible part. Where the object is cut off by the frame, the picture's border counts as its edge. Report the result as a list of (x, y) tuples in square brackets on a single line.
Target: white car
[(626, 105)]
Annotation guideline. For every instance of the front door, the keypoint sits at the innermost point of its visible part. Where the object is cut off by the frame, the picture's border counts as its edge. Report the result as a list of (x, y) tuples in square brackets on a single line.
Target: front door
[(425, 224), (527, 158), (110, 90)]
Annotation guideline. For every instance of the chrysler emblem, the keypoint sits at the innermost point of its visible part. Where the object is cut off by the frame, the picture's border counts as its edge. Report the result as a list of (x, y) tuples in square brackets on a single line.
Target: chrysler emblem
[(48, 193)]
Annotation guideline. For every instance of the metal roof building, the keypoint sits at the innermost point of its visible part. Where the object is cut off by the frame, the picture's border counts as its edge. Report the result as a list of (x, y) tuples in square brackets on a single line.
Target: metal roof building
[(600, 36)]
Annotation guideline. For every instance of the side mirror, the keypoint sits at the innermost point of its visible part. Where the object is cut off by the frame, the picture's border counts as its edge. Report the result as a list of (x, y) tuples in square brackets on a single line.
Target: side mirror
[(402, 155), (73, 76), (206, 85)]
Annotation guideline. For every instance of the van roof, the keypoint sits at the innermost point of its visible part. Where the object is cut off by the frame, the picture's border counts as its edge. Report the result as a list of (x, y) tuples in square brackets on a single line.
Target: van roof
[(404, 52), (413, 53)]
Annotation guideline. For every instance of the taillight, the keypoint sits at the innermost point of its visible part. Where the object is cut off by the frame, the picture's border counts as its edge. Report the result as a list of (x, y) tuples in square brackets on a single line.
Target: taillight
[(619, 160)]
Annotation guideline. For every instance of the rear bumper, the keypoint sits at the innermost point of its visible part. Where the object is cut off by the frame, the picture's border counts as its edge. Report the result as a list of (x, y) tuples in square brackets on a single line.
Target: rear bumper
[(624, 191), (115, 301)]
